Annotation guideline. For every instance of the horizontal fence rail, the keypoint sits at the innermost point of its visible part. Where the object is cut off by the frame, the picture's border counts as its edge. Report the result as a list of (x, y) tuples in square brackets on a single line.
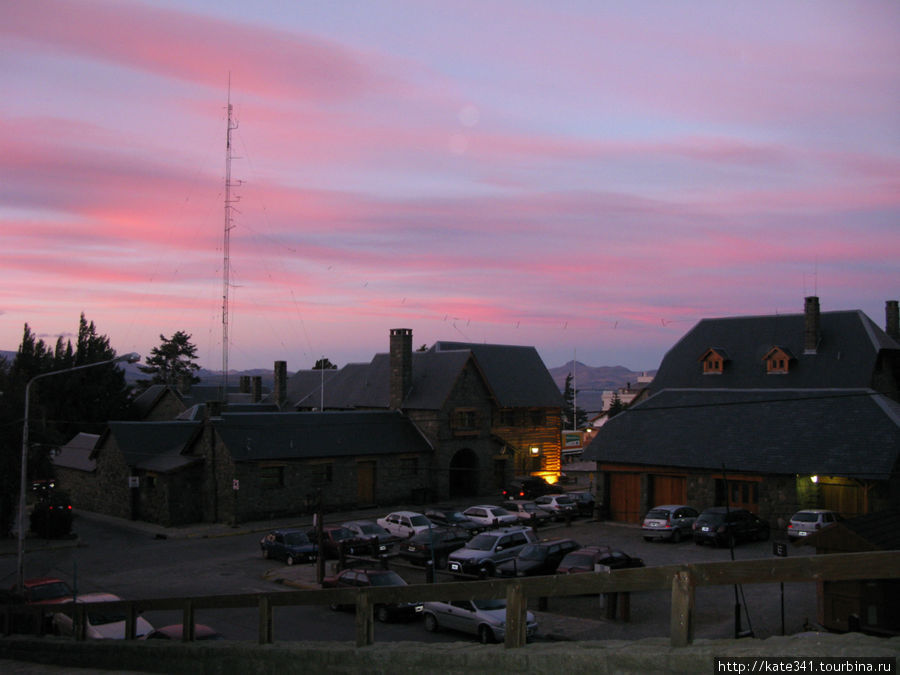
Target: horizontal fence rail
[(682, 580)]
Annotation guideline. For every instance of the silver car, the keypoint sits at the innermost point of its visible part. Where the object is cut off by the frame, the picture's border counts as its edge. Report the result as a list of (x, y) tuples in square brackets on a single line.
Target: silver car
[(673, 522), (484, 618)]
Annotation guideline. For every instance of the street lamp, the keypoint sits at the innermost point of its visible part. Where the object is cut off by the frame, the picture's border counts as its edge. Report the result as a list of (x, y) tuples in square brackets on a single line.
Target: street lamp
[(133, 357)]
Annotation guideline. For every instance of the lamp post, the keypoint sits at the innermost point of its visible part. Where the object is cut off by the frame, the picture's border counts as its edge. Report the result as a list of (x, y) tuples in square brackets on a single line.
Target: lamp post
[(133, 357)]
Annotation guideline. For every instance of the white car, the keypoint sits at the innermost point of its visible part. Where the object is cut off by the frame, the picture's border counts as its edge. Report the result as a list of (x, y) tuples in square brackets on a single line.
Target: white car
[(559, 506), (101, 624), (405, 524), (489, 515), (484, 618), (528, 511), (806, 522)]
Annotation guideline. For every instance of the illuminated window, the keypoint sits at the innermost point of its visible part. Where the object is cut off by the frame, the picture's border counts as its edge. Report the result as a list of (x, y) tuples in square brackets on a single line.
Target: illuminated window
[(778, 361), (713, 361)]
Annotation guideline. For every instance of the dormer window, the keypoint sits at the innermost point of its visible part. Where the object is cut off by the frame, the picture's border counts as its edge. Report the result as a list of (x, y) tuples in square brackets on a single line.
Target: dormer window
[(713, 361), (778, 361)]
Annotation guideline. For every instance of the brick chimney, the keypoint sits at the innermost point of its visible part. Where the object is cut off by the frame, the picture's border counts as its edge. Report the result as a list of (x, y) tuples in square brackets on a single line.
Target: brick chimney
[(811, 332), (401, 365), (280, 383), (892, 319), (256, 389)]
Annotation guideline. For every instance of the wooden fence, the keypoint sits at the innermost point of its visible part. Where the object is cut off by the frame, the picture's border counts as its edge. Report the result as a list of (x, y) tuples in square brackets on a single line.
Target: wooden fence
[(681, 579)]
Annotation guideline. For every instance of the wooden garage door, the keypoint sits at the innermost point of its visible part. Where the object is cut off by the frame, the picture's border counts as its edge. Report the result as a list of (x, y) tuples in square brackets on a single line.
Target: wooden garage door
[(842, 495), (668, 490), (625, 497)]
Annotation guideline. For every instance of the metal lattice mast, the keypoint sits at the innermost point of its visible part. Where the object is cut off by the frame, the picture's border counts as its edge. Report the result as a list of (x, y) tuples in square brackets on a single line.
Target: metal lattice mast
[(226, 266)]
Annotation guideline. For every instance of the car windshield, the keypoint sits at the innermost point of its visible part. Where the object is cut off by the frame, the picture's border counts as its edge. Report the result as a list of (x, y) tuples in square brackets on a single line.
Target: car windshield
[(455, 517), (56, 589), (564, 500), (494, 603), (482, 542), (295, 539), (386, 579), (659, 514), (101, 618), (499, 512), (533, 552), (712, 518), (419, 520), (530, 508), (578, 560), (806, 517), (371, 528), (341, 533)]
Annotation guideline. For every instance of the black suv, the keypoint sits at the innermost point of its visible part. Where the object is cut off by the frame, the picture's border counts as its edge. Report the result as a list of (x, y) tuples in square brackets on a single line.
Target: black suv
[(723, 527), (542, 557), (527, 488)]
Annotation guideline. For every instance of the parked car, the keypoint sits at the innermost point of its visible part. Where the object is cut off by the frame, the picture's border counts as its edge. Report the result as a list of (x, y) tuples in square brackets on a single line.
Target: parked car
[(723, 527), (51, 516), (586, 560), (488, 515), (669, 521), (805, 522), (541, 557), (443, 540), (484, 618), (529, 512), (289, 545), (404, 524), (559, 506), (527, 488), (46, 591), (101, 624), (336, 538), (483, 552), (176, 631), (369, 529), (452, 516), (584, 502), (363, 578)]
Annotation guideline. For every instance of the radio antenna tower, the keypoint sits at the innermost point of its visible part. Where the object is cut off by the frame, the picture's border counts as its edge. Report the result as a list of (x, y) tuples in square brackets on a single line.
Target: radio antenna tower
[(226, 248)]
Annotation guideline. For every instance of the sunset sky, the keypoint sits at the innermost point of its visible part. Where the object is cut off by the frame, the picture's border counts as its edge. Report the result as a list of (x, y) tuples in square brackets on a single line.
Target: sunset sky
[(590, 178)]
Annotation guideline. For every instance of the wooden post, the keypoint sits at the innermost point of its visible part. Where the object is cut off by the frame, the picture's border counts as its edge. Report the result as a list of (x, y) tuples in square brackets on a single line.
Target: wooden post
[(130, 620), (365, 620), (516, 617), (187, 621), (265, 620), (80, 627), (682, 609), (625, 606)]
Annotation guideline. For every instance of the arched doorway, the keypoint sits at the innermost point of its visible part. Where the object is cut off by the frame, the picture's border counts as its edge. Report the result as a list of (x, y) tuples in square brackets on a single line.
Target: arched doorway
[(464, 474)]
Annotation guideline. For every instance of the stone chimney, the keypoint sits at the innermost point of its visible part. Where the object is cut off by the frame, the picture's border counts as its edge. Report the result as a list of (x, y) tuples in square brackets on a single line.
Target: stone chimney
[(245, 384), (811, 332), (401, 365), (280, 383), (892, 319), (256, 389)]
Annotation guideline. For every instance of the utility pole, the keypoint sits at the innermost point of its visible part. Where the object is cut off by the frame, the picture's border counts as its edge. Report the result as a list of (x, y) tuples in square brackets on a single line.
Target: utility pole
[(226, 247)]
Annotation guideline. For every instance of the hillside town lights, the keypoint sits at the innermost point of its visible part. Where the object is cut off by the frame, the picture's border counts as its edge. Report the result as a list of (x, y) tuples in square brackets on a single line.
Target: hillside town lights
[(23, 481)]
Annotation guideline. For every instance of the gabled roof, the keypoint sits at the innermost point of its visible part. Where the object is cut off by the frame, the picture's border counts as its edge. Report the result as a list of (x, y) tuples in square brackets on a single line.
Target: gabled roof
[(767, 431), (304, 387), (846, 354), (516, 375), (306, 435), (76, 454), (155, 446), (144, 403)]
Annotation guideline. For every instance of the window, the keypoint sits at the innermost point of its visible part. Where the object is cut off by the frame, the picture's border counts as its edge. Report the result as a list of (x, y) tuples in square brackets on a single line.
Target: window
[(409, 466), (538, 418), (713, 361), (507, 417), (271, 477), (465, 418), (778, 361), (321, 474)]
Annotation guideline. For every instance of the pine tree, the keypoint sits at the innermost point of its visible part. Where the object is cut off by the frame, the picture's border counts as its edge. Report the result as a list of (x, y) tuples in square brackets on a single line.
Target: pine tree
[(572, 414), (172, 362)]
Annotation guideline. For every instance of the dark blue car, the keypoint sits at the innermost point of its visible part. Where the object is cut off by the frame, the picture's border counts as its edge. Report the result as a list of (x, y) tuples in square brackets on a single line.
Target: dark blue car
[(288, 545)]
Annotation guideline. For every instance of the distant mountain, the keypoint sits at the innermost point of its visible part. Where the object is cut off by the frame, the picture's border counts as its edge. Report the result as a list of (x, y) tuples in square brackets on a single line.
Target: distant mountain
[(592, 381)]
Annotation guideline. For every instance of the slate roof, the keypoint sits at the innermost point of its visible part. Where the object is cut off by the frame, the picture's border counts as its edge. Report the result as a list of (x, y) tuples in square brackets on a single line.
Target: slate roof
[(155, 446), (268, 436), (76, 454), (143, 403), (839, 432), (516, 374), (846, 355)]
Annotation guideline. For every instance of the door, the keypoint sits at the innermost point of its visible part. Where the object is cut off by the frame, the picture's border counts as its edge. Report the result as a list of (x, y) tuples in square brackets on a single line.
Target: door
[(669, 490), (625, 497), (365, 483)]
